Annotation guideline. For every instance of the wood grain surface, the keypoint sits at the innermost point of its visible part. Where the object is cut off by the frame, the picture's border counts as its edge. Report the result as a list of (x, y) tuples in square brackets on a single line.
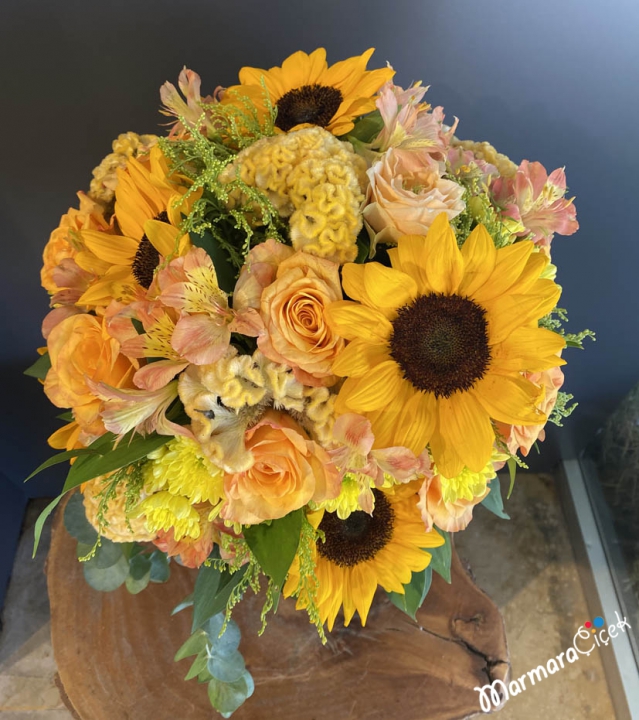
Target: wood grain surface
[(115, 651)]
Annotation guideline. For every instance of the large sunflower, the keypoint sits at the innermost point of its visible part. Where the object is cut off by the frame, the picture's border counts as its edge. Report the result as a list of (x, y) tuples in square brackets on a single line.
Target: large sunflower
[(148, 215), (364, 551), (440, 340), (306, 91)]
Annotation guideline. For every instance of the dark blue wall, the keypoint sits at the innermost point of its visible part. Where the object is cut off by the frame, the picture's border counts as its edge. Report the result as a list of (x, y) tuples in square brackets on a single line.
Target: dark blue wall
[(552, 80)]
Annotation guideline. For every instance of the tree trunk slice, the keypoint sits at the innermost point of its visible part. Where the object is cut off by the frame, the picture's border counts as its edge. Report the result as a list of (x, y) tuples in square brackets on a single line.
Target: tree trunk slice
[(114, 653)]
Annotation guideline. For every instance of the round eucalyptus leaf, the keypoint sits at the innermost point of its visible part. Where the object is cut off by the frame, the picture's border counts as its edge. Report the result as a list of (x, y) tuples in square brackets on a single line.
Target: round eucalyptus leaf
[(230, 640), (226, 668), (160, 567), (107, 554), (226, 698), (136, 585), (76, 523), (106, 579)]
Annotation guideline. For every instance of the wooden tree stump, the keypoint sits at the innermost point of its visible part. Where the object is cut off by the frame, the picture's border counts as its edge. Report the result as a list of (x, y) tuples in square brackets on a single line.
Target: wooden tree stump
[(115, 651)]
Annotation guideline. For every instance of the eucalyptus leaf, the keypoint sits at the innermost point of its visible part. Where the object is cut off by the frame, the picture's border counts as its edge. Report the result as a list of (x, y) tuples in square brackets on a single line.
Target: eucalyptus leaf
[(275, 545), (442, 557), (139, 574), (229, 642), (40, 367), (136, 586), (414, 593), (227, 668), (186, 603), (199, 665), (193, 646), (493, 501), (76, 523), (226, 698), (106, 579), (107, 554), (160, 567)]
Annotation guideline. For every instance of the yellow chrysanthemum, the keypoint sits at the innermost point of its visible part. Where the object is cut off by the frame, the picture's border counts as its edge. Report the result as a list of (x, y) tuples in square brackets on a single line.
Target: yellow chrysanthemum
[(364, 551), (306, 91), (469, 485), (165, 511), (315, 180), (181, 467), (439, 342), (148, 212)]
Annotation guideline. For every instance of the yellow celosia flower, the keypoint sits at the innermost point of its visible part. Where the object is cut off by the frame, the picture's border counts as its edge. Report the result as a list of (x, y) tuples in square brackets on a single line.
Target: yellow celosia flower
[(306, 91), (487, 152), (181, 467), (313, 179), (165, 511), (439, 342)]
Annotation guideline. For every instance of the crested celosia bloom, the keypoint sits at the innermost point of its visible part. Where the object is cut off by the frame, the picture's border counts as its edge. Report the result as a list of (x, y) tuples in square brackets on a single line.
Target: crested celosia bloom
[(406, 193), (537, 200), (314, 180), (288, 471)]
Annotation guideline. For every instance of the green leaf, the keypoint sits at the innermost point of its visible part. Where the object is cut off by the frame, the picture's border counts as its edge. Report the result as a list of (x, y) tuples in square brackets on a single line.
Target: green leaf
[(66, 416), (39, 523), (199, 664), (414, 593), (512, 470), (493, 500), (186, 603), (139, 574), (127, 452), (76, 523), (442, 557), (137, 324), (59, 458), (227, 668), (106, 555), (275, 545), (367, 128), (206, 586), (193, 646), (160, 567), (229, 642), (106, 579), (226, 698), (228, 582), (40, 367), (223, 267)]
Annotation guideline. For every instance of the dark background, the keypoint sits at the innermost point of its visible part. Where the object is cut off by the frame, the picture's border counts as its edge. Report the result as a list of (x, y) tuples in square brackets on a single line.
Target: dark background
[(550, 80)]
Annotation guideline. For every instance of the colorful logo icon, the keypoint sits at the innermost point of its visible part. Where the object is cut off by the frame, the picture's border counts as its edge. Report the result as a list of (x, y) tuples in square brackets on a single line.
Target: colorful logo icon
[(593, 626)]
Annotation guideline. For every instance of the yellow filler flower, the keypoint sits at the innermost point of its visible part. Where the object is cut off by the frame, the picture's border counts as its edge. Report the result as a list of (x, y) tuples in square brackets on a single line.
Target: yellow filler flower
[(364, 551), (439, 342), (306, 91)]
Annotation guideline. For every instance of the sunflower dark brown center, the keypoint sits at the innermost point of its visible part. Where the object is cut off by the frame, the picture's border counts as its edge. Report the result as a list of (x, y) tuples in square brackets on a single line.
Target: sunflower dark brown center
[(147, 258), (314, 104), (441, 343), (358, 538)]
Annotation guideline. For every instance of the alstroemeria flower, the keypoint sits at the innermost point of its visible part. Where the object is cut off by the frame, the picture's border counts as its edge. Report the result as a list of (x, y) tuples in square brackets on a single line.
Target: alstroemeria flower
[(537, 200), (189, 83)]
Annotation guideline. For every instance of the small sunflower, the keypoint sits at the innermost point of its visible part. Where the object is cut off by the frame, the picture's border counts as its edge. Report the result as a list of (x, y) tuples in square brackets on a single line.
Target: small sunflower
[(364, 551), (306, 91), (440, 340), (148, 215)]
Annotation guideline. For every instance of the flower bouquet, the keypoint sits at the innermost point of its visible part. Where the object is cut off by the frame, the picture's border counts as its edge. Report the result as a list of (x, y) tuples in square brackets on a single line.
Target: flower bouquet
[(295, 338)]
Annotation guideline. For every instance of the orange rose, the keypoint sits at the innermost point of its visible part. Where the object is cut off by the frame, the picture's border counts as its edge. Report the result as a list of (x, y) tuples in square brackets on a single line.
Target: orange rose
[(81, 348), (292, 308), (288, 471)]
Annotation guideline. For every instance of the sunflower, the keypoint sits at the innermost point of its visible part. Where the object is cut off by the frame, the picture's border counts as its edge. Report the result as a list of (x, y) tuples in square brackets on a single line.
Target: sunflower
[(306, 91), (440, 340), (364, 551), (148, 213)]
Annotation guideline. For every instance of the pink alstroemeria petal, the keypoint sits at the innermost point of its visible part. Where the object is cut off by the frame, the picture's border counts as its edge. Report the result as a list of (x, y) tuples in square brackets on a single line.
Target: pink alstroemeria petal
[(200, 340), (156, 375)]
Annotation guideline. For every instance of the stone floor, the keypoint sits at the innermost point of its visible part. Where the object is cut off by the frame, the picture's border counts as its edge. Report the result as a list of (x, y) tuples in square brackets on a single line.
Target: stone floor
[(526, 566)]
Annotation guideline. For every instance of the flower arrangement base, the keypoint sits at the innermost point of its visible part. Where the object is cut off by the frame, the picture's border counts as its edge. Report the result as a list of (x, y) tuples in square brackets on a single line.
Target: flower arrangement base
[(115, 651)]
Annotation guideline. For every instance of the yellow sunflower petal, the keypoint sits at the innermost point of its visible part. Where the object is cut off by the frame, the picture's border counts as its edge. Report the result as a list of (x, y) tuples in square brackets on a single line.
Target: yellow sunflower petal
[(375, 389), (444, 264), (352, 321), (115, 249), (410, 257), (536, 264), (510, 264), (418, 421), (162, 236), (479, 255), (358, 358), (528, 349), (512, 400), (388, 288), (363, 585), (346, 74), (353, 283), (466, 426)]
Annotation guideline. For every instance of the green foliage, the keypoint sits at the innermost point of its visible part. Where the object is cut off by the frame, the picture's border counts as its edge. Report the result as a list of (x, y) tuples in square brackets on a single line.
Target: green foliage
[(554, 321), (479, 210), (493, 501), (564, 407), (160, 567), (367, 128), (512, 471), (414, 593), (275, 544), (213, 590), (60, 458), (442, 557), (576, 340), (40, 367)]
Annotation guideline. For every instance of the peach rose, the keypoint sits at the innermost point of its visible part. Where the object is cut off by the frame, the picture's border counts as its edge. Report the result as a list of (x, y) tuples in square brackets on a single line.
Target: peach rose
[(288, 471), (292, 308), (406, 193), (80, 348), (523, 437)]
